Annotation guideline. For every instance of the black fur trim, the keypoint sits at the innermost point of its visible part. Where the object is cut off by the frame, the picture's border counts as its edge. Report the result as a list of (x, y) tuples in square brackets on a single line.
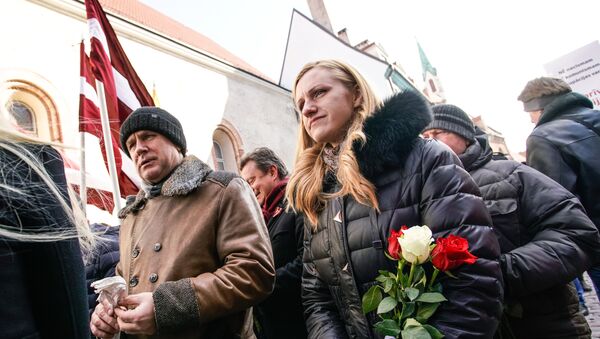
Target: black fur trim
[(391, 132)]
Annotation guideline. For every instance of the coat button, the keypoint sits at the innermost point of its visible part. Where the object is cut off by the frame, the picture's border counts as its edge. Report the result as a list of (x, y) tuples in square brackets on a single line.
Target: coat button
[(153, 277), (135, 252), (133, 281), (157, 247)]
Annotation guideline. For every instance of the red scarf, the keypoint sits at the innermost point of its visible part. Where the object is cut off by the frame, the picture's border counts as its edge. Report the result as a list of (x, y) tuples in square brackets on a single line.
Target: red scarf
[(270, 207)]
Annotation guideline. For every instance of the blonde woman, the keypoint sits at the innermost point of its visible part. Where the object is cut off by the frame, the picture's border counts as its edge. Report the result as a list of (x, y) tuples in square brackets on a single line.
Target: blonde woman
[(361, 171), (42, 279)]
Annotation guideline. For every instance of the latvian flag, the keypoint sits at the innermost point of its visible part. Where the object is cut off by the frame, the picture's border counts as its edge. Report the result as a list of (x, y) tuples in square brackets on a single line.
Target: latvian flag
[(124, 90)]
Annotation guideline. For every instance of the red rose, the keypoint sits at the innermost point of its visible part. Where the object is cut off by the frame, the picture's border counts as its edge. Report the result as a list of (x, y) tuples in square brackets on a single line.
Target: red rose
[(394, 249), (451, 252)]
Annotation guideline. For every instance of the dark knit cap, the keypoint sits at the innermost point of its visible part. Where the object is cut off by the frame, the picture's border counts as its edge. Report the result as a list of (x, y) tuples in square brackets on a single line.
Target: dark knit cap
[(153, 119), (453, 119)]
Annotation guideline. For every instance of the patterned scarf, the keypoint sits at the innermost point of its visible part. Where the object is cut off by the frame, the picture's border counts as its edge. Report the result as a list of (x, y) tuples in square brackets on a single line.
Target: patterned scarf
[(270, 207), (331, 157)]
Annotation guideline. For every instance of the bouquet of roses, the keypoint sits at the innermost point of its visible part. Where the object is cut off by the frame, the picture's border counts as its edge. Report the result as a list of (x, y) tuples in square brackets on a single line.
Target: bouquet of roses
[(411, 297)]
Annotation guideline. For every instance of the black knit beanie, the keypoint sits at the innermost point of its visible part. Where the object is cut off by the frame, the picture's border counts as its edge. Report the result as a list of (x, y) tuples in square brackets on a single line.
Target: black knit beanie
[(153, 119), (453, 119)]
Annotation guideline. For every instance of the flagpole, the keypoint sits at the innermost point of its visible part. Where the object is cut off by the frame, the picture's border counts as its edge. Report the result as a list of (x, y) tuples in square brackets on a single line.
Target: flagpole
[(82, 185), (108, 145)]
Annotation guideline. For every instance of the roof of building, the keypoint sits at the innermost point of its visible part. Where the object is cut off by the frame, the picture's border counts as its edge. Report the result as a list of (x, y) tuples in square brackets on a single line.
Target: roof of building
[(147, 16)]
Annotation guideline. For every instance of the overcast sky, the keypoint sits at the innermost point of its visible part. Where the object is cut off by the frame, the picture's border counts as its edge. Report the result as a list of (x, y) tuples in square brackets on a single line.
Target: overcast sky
[(484, 51)]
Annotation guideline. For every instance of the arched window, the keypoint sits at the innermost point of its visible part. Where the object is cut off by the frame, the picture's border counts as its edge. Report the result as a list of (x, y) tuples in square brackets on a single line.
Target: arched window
[(219, 160), (32, 109), (227, 147), (22, 115)]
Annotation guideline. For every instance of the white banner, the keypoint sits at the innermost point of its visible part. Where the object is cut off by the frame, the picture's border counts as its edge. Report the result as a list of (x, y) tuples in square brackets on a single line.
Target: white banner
[(581, 70), (309, 42)]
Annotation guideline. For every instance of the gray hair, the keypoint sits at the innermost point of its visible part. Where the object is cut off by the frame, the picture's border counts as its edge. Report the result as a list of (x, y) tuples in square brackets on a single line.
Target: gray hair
[(265, 158)]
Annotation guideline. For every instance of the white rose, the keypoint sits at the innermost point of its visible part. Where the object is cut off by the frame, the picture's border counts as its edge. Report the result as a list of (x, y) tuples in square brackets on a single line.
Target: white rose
[(415, 244)]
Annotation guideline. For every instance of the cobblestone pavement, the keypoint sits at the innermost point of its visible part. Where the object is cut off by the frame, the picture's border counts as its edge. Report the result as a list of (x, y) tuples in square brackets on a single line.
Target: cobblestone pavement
[(594, 306)]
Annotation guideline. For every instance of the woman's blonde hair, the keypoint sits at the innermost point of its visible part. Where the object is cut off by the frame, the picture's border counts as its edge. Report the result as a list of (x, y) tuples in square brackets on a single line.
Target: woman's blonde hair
[(305, 187), (14, 143)]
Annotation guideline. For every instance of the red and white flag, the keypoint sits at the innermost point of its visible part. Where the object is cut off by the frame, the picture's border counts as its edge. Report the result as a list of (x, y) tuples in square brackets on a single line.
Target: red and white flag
[(124, 90)]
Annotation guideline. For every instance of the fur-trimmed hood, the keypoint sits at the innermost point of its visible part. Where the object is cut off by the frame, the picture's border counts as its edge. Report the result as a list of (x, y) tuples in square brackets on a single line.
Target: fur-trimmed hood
[(189, 175), (391, 132)]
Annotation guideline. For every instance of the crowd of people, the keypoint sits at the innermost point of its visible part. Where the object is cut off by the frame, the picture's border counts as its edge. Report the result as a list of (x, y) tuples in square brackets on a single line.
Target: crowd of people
[(277, 254)]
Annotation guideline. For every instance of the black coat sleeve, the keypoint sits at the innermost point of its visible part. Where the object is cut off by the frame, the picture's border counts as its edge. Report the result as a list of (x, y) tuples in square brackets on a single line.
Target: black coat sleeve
[(320, 311), (450, 204), (290, 274), (564, 242)]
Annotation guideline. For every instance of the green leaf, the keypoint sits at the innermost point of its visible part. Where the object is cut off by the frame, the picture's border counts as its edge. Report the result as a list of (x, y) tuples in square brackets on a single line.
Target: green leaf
[(407, 310), (388, 327), (415, 332), (412, 293), (392, 292), (371, 299), (404, 279), (431, 297), (386, 305), (422, 283), (433, 332), (388, 285), (410, 322), (425, 311), (437, 288), (419, 273), (381, 278)]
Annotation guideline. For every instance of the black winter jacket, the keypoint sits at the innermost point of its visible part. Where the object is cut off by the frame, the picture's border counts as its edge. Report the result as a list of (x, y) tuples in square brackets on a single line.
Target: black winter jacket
[(546, 241), (417, 182), (42, 284), (565, 146), (104, 260), (281, 314)]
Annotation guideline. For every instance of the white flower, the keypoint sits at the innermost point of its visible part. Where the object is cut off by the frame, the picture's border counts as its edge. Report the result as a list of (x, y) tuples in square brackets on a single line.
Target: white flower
[(415, 244)]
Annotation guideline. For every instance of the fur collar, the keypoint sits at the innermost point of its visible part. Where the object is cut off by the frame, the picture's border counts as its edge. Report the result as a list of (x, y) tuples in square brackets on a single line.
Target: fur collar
[(189, 175), (391, 132)]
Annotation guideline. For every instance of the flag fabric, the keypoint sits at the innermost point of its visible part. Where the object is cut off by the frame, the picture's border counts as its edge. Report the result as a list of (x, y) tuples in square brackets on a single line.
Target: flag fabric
[(98, 193), (89, 121), (124, 91)]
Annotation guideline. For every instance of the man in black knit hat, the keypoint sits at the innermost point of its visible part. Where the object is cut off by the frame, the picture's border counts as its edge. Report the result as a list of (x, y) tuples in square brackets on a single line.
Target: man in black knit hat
[(545, 237), (194, 249)]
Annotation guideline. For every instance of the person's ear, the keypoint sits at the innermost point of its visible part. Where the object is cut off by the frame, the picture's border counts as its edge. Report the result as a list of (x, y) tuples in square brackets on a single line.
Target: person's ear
[(358, 99), (273, 171)]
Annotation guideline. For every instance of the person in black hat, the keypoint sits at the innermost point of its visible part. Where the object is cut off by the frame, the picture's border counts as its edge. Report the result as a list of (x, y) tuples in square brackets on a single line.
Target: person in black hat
[(545, 237), (564, 143), (194, 249)]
